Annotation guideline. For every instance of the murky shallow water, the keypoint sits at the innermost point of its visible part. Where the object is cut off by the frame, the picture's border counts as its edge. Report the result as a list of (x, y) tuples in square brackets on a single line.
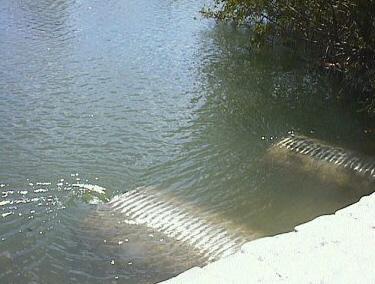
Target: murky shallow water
[(123, 94)]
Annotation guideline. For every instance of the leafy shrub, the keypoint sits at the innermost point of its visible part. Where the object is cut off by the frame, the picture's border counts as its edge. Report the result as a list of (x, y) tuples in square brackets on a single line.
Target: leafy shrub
[(341, 32)]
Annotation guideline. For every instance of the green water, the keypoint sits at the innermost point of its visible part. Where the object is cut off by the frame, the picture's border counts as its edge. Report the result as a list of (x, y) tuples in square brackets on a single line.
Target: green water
[(129, 93)]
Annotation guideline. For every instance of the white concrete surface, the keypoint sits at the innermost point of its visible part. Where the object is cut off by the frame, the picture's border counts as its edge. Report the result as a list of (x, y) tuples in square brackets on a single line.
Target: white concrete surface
[(338, 248)]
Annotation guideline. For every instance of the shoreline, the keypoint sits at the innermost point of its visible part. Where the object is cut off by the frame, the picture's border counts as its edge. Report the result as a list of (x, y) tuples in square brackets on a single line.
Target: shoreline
[(337, 248)]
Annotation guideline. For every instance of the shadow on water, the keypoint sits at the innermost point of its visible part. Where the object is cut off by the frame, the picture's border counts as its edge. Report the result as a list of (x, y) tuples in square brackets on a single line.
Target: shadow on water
[(249, 100)]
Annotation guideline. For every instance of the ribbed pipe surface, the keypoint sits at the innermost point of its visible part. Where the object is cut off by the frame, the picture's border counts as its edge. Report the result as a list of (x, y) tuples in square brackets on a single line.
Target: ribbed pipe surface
[(142, 207), (359, 164)]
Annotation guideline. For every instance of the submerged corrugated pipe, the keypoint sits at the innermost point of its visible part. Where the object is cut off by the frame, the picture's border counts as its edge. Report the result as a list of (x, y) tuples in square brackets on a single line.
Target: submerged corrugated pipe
[(145, 207), (211, 237), (364, 166)]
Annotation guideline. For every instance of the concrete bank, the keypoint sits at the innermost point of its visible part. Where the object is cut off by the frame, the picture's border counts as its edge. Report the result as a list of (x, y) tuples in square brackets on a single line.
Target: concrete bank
[(337, 248)]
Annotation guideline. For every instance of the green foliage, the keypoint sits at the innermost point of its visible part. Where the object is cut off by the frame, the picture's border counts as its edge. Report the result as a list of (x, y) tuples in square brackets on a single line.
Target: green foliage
[(342, 32)]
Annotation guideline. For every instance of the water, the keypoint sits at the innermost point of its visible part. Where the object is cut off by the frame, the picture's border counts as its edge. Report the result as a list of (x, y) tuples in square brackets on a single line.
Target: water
[(123, 94)]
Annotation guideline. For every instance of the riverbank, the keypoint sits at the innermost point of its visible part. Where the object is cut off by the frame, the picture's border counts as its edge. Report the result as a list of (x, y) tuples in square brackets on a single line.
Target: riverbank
[(337, 248)]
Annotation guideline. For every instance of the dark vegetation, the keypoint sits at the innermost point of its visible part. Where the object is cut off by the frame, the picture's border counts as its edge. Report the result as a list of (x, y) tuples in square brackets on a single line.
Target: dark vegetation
[(339, 34)]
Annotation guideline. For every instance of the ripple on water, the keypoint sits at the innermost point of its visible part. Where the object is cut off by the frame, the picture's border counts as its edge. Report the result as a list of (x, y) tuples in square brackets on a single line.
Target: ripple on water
[(143, 93), (52, 226)]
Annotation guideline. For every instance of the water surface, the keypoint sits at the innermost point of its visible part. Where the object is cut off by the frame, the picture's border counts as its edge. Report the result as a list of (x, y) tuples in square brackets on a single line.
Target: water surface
[(125, 93)]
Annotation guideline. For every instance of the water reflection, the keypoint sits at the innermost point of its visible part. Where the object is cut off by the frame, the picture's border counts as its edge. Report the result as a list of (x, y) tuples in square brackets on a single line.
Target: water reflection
[(46, 20), (248, 101)]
